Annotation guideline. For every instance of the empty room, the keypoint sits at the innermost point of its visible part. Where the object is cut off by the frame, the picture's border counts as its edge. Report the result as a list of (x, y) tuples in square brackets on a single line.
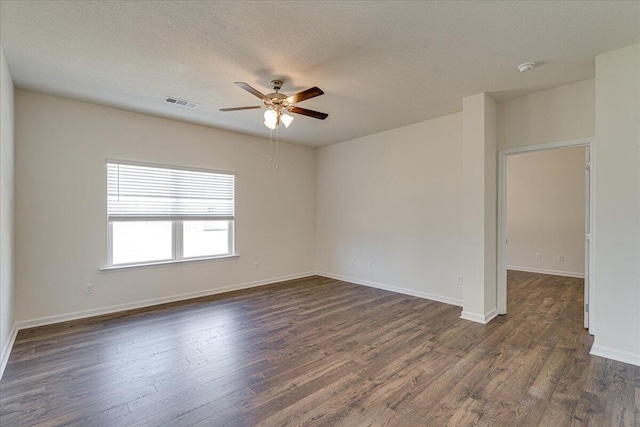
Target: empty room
[(344, 213)]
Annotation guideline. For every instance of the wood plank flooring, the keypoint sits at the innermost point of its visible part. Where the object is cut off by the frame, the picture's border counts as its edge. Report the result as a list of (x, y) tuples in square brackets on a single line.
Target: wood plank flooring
[(318, 351)]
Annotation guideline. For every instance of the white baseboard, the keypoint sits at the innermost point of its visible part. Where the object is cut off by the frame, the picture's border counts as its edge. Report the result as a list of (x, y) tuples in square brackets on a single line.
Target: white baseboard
[(49, 320), (479, 318), (491, 315), (474, 317), (544, 271), (6, 351), (405, 291), (615, 354)]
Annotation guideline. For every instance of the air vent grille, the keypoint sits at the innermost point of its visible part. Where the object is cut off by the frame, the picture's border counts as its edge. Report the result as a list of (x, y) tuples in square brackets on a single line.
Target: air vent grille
[(181, 102)]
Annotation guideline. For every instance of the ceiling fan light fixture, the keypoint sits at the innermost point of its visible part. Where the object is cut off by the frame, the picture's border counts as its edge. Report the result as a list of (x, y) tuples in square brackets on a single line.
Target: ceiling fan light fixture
[(270, 115), (286, 119), (271, 118)]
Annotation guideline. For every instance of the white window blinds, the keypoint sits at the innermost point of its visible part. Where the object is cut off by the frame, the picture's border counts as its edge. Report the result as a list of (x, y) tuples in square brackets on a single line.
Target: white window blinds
[(144, 193)]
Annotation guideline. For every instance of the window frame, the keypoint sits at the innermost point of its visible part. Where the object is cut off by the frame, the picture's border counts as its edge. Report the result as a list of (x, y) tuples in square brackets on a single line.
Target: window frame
[(177, 246), (177, 228)]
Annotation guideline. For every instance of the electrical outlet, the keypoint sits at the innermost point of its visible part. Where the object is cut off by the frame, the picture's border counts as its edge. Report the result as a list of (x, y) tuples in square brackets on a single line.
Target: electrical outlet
[(459, 280), (538, 255), (88, 289), (560, 258), (352, 263), (368, 266), (257, 266)]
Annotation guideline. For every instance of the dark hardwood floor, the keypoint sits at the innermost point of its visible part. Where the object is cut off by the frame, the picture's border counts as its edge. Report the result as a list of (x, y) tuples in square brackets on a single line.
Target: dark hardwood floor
[(318, 351)]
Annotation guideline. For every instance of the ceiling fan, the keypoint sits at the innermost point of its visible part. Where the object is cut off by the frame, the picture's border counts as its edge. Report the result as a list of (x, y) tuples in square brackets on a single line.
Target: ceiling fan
[(277, 104)]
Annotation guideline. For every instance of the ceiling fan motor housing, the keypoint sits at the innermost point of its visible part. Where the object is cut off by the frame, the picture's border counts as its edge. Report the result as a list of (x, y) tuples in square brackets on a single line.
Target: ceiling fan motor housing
[(277, 101), (276, 84)]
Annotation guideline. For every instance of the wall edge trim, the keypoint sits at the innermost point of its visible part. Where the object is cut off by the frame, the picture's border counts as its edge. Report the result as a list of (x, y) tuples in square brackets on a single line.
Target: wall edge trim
[(545, 271), (473, 317), (49, 320), (488, 317), (6, 352), (383, 286), (615, 354), (479, 318)]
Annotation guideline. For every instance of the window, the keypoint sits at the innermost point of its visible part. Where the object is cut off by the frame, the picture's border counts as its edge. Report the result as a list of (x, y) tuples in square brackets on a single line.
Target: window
[(158, 214)]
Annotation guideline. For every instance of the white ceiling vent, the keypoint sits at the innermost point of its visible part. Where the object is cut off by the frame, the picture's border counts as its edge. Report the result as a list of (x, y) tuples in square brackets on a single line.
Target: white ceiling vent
[(182, 102)]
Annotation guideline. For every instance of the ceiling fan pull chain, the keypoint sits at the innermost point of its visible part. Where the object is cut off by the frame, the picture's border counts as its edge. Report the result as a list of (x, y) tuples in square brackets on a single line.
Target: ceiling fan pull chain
[(277, 148), (271, 145)]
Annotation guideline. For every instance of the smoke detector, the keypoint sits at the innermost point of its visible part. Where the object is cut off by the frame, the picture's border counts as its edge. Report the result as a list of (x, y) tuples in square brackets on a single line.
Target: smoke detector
[(527, 66)]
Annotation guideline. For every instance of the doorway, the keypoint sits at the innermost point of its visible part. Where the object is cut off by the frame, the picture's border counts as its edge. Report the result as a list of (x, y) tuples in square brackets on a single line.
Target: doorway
[(549, 262)]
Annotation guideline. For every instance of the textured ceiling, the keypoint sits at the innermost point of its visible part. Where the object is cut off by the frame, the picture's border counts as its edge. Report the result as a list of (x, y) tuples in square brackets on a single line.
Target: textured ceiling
[(381, 64)]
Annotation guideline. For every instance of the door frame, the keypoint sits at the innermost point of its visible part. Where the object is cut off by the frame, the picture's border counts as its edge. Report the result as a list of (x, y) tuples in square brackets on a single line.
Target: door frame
[(502, 219)]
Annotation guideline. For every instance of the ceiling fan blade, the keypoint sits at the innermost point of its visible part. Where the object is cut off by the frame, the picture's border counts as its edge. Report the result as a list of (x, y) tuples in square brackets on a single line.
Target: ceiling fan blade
[(301, 96), (251, 90), (310, 113), (240, 108)]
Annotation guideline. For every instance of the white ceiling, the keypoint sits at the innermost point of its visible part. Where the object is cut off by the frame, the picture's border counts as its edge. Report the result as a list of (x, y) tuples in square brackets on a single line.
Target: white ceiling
[(381, 64)]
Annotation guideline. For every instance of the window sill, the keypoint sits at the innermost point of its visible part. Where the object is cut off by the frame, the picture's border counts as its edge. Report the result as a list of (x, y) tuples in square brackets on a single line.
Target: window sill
[(164, 263)]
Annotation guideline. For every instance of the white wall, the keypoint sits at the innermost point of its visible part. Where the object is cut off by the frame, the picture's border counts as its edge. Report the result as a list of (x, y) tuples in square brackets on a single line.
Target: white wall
[(479, 206), (617, 205), (545, 211), (61, 148), (560, 114), (6, 210), (393, 199)]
